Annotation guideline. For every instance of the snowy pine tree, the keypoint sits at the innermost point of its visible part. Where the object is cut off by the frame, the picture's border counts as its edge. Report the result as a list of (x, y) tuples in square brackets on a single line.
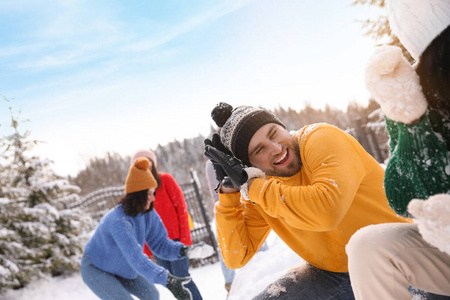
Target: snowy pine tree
[(38, 235)]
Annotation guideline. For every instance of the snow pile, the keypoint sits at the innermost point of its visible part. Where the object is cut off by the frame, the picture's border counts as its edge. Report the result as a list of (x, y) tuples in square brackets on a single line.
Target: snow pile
[(263, 269)]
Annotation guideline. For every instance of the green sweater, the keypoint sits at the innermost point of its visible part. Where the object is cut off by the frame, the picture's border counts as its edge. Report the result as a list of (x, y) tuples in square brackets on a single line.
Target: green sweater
[(419, 163)]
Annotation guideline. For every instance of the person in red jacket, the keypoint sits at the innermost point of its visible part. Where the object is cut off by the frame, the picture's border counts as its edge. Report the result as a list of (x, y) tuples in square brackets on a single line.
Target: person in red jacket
[(171, 207)]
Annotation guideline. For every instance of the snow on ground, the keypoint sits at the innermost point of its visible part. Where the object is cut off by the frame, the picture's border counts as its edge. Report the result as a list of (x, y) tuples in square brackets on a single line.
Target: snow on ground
[(264, 268)]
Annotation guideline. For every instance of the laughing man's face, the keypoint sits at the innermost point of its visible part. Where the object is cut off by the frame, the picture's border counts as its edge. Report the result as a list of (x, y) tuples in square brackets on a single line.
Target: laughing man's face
[(273, 150)]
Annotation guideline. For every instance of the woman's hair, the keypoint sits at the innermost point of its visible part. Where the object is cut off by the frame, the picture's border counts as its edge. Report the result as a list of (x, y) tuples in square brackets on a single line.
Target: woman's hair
[(433, 69), (155, 174), (134, 203)]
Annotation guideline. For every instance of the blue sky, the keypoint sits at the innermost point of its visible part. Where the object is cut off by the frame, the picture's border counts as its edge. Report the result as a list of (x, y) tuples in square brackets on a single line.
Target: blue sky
[(97, 76)]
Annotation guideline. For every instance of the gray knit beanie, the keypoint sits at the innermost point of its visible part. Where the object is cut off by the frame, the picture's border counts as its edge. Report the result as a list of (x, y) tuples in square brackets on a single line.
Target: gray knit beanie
[(238, 125)]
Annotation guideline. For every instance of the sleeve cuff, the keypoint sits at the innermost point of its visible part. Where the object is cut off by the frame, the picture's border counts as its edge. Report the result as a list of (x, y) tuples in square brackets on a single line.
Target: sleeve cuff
[(230, 199), (416, 136)]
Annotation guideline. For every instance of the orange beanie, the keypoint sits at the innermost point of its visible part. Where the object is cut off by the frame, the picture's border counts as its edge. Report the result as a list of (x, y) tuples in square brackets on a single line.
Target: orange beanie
[(139, 176)]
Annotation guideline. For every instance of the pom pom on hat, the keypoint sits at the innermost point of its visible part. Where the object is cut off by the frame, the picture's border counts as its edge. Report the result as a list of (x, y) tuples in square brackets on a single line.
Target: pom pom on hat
[(418, 22), (142, 164), (139, 176), (221, 113), (145, 153)]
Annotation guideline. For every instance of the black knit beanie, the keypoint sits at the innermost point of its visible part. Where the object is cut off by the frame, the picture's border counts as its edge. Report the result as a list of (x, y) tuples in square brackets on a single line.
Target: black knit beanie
[(238, 125)]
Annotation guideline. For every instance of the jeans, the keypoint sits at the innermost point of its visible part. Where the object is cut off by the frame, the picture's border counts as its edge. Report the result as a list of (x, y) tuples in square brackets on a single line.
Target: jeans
[(309, 283), (108, 286), (423, 295), (228, 274), (180, 268)]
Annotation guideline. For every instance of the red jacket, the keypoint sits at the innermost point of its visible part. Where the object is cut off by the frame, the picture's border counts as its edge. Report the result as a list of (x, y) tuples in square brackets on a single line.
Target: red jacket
[(171, 207)]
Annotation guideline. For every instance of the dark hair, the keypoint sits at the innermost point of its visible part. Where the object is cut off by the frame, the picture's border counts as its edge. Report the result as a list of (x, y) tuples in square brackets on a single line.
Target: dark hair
[(134, 203), (155, 174), (433, 69)]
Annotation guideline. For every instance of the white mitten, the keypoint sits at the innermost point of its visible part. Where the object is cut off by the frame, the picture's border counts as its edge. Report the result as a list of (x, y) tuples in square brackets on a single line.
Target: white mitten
[(432, 218), (393, 83), (252, 173)]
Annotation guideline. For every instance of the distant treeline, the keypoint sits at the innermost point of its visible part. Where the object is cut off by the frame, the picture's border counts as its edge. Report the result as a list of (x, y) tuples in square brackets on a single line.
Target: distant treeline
[(179, 157)]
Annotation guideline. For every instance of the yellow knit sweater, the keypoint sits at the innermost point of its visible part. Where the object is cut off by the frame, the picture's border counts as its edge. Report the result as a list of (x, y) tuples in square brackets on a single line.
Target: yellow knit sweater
[(338, 190)]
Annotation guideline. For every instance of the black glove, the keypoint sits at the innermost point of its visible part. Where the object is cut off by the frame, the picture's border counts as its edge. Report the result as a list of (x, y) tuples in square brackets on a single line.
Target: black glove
[(217, 143), (232, 166), (176, 286), (221, 176)]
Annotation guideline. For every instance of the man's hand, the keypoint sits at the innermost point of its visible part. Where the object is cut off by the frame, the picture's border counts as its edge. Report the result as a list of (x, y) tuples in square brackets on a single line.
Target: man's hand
[(216, 143), (236, 171), (221, 176), (177, 286), (232, 166)]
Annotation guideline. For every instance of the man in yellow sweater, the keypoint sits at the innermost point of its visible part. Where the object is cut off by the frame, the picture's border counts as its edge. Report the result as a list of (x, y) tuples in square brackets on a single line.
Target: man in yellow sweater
[(315, 188)]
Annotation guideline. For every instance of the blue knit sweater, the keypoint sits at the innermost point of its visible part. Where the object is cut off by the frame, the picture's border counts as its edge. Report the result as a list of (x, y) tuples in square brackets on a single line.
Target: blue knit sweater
[(117, 245)]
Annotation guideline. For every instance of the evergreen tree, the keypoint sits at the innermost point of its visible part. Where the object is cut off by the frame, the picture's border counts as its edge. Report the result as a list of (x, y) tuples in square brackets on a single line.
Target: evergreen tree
[(38, 235)]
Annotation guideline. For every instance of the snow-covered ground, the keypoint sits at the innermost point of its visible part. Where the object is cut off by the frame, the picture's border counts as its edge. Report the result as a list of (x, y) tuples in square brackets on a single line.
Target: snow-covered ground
[(264, 268)]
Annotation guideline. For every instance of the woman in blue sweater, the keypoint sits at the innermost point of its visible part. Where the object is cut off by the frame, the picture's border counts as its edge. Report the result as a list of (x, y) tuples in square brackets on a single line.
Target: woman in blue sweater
[(113, 265)]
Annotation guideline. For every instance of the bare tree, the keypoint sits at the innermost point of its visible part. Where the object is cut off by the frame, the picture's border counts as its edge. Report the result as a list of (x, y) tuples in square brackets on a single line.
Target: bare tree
[(110, 170), (379, 29)]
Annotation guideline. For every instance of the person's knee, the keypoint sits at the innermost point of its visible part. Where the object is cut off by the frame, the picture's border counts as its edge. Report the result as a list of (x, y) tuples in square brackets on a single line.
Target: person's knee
[(359, 241), (151, 294), (366, 244)]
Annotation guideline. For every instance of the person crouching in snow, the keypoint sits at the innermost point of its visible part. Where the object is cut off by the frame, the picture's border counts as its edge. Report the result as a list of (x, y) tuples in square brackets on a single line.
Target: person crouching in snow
[(172, 209), (114, 266), (314, 187), (386, 260)]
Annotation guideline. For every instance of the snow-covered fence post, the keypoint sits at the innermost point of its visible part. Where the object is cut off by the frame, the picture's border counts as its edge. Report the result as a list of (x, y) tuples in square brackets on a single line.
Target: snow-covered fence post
[(196, 184), (202, 227)]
